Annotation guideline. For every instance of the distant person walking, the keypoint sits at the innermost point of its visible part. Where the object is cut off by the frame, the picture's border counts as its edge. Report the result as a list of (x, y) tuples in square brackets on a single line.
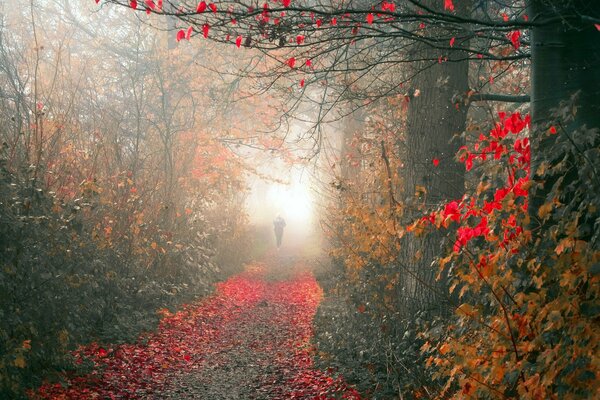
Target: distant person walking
[(279, 224)]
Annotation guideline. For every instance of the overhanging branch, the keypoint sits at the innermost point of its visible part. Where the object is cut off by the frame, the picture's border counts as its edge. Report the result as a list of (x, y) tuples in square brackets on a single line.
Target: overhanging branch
[(506, 98)]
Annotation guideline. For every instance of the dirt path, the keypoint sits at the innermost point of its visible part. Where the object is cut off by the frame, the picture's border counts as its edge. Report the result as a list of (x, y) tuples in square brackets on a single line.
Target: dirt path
[(250, 340)]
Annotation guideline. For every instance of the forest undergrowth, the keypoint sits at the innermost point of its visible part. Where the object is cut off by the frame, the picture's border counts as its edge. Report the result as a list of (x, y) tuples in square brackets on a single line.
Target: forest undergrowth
[(250, 339)]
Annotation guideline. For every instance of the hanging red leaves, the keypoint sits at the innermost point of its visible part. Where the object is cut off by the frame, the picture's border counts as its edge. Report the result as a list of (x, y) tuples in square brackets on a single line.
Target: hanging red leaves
[(448, 5), (201, 7), (519, 159), (385, 6), (514, 37), (205, 29)]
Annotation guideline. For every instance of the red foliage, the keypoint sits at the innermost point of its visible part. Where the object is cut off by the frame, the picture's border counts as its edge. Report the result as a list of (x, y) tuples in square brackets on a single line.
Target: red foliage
[(187, 339), (514, 37), (448, 5), (473, 218)]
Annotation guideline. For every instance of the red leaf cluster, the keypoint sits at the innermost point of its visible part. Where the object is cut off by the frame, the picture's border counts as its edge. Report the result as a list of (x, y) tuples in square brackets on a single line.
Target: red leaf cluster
[(473, 218)]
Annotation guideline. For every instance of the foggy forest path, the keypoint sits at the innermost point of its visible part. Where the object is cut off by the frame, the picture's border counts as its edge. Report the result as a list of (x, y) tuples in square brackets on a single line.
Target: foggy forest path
[(251, 339)]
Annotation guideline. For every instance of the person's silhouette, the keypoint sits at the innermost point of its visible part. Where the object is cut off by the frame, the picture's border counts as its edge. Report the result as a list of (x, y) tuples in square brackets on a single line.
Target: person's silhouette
[(278, 224)]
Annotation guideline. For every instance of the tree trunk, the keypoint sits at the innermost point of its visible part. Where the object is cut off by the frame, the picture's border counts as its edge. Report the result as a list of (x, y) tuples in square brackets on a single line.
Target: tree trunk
[(433, 125), (565, 57)]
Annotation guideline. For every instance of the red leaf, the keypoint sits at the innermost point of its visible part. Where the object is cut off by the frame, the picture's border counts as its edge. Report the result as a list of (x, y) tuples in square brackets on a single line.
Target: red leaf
[(385, 6), (552, 130), (150, 4), (514, 39), (180, 35), (188, 34), (238, 41), (334, 21), (301, 82), (205, 29), (213, 7), (452, 42), (286, 3), (597, 26), (448, 5), (422, 25), (436, 162), (187, 357), (370, 18), (308, 63), (361, 308), (133, 4), (97, 1), (300, 39), (102, 352), (201, 7), (319, 23), (291, 62)]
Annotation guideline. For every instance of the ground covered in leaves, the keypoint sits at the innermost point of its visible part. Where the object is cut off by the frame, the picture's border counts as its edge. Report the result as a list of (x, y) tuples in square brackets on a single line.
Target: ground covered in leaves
[(250, 340)]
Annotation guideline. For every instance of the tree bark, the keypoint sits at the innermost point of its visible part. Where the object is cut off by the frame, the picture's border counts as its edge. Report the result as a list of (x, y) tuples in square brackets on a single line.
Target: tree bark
[(434, 124), (565, 58)]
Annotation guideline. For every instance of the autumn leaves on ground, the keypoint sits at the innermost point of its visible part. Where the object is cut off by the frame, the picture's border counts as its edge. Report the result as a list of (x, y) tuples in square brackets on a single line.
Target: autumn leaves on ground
[(251, 339)]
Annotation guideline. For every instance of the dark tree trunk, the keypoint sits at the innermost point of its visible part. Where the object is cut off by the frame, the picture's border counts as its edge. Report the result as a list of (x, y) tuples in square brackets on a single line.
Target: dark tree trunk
[(565, 59), (433, 127)]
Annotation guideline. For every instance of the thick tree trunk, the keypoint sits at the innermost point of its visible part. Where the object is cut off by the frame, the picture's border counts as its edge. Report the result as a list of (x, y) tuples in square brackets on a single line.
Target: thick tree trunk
[(434, 123), (565, 59)]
